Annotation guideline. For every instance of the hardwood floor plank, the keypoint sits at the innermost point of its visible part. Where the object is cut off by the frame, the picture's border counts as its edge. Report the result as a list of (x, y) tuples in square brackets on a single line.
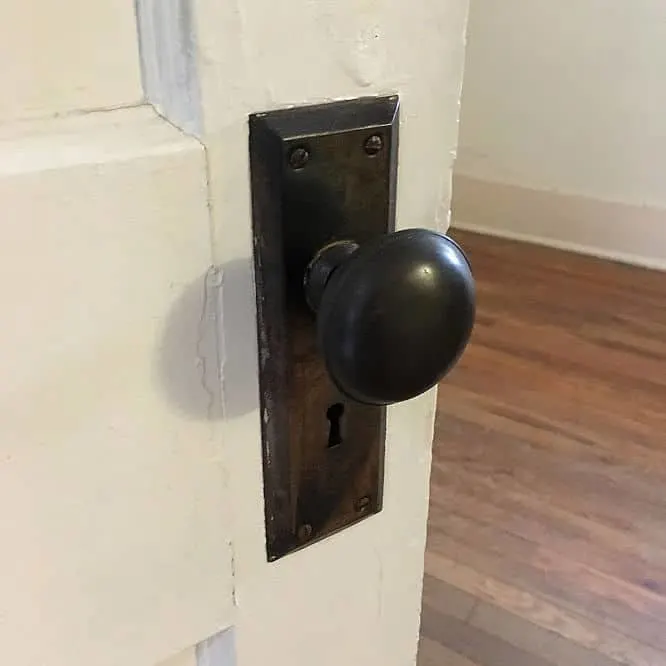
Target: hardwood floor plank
[(607, 552), (476, 645), (517, 601), (565, 653), (576, 591), (432, 653), (555, 522), (533, 639), (481, 533), (512, 629), (575, 628), (567, 482), (447, 599)]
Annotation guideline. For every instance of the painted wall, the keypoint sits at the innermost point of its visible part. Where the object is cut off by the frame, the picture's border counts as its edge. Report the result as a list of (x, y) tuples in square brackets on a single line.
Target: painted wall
[(569, 100)]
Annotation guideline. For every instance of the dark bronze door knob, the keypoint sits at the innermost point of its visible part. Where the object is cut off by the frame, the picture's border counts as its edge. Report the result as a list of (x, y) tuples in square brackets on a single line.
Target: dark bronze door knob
[(394, 315)]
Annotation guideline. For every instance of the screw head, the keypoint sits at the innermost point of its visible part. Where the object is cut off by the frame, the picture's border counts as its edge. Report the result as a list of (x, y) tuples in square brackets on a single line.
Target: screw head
[(304, 532), (299, 157), (374, 144), (362, 504)]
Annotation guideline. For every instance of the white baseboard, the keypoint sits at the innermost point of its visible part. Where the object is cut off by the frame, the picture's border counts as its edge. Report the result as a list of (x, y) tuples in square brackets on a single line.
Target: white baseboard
[(622, 232)]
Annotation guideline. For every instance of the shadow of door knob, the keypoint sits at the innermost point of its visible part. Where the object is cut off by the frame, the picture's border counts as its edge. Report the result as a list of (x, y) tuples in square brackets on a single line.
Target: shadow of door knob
[(393, 316)]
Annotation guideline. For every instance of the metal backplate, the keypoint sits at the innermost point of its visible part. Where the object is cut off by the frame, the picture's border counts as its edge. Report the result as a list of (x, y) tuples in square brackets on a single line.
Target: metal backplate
[(319, 174)]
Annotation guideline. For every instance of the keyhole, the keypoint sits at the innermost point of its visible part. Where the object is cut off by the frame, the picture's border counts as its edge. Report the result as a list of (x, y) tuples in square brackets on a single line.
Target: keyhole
[(334, 415)]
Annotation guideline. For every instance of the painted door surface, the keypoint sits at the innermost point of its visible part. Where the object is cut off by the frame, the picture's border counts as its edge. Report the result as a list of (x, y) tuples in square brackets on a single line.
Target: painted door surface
[(131, 508)]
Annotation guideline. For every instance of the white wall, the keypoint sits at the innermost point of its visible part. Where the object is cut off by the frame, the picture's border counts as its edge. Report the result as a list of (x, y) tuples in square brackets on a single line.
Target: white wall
[(567, 99)]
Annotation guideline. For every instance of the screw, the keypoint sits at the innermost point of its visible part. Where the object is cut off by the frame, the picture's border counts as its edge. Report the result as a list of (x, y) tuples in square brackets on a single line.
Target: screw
[(304, 532), (299, 157), (374, 144), (362, 504)]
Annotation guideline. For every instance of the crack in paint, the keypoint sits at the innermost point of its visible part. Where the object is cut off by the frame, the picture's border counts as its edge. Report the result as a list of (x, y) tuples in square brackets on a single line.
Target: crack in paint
[(206, 325)]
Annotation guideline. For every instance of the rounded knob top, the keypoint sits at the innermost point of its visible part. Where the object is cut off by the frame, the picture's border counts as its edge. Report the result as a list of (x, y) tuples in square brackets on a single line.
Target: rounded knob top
[(394, 318)]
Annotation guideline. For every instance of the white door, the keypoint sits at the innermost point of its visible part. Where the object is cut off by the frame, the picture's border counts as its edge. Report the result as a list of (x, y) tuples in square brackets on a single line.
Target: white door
[(131, 509)]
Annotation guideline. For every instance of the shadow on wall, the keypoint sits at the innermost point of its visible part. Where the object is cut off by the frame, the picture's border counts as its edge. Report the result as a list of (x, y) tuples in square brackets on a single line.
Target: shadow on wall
[(206, 363)]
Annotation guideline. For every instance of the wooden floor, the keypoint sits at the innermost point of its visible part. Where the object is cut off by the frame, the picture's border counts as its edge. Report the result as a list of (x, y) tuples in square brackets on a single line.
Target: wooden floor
[(547, 540)]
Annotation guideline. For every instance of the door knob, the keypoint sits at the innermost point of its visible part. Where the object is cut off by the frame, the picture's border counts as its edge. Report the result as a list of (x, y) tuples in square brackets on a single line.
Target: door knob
[(393, 316)]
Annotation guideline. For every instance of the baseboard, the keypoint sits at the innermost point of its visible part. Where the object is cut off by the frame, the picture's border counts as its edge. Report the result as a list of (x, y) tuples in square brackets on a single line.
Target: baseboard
[(630, 234)]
